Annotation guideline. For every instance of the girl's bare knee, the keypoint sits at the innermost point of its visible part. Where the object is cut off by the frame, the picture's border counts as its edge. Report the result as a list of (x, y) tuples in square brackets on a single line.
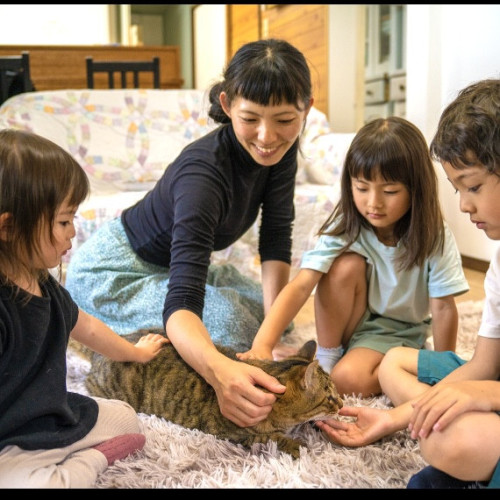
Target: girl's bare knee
[(350, 381), (347, 267)]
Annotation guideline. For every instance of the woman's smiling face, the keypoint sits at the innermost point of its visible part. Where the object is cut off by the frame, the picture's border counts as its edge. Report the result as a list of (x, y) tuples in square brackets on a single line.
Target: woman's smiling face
[(266, 132)]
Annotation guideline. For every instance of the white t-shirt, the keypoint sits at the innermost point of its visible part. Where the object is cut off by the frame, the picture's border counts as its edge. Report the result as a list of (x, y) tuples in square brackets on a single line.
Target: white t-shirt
[(400, 295), (490, 323)]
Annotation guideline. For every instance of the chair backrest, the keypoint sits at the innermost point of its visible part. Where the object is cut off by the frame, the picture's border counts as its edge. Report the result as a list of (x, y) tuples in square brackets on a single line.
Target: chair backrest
[(15, 75), (123, 67)]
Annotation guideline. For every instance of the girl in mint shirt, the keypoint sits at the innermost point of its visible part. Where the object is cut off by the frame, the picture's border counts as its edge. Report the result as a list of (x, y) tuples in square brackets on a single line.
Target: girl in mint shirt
[(386, 265)]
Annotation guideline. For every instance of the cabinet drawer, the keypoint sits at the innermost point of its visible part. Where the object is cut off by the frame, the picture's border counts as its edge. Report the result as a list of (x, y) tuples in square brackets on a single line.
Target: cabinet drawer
[(375, 91), (397, 88)]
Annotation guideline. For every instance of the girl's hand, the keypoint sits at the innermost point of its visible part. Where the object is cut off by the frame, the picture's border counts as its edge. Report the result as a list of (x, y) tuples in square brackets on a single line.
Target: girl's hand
[(370, 425), (255, 353), (442, 403), (148, 346)]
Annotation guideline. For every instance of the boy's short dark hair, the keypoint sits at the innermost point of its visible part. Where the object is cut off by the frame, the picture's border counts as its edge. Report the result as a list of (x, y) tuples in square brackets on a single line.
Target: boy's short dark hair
[(468, 132)]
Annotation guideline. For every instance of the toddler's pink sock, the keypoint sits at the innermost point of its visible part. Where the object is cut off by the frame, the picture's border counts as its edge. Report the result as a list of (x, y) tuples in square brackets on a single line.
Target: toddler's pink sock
[(121, 446)]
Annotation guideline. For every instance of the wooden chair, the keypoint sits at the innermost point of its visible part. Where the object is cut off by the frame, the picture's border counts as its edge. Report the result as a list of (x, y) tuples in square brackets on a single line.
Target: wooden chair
[(123, 67), (14, 75)]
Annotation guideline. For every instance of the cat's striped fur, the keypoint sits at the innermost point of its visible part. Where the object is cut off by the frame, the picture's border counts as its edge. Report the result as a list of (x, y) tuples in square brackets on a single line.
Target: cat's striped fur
[(169, 388)]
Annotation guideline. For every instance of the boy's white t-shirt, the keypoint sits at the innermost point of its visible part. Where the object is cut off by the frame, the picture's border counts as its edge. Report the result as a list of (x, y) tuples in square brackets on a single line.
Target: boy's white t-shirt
[(490, 323)]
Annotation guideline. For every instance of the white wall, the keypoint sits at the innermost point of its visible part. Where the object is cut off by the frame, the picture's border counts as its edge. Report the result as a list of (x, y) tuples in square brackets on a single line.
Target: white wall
[(449, 47), (26, 24), (346, 66), (209, 28)]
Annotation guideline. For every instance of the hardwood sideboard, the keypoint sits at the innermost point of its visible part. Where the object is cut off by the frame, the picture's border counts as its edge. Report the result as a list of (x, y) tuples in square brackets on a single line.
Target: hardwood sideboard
[(58, 67)]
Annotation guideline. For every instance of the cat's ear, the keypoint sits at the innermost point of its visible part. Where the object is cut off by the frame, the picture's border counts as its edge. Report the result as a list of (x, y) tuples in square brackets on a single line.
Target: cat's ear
[(308, 350), (311, 375)]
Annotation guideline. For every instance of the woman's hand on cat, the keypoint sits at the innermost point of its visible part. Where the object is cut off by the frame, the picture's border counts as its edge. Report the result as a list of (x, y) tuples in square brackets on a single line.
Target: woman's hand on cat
[(370, 425), (148, 346), (239, 399)]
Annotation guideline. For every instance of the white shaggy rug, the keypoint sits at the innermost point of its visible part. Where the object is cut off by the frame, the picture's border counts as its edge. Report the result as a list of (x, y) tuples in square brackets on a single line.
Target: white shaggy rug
[(175, 457)]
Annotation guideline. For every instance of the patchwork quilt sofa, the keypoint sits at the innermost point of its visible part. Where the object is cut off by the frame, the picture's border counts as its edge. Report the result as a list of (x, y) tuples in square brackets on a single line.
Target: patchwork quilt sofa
[(126, 138)]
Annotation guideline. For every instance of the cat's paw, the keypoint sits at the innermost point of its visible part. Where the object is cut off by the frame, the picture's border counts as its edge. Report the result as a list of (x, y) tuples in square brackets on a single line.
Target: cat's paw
[(290, 446)]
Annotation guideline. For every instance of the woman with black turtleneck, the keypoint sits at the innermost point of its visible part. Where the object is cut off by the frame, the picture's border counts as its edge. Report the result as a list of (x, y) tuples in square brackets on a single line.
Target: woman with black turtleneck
[(151, 267)]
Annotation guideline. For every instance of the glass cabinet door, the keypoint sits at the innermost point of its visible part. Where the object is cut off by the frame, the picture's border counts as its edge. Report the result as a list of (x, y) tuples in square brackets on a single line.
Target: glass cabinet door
[(385, 43), (383, 38), (385, 60)]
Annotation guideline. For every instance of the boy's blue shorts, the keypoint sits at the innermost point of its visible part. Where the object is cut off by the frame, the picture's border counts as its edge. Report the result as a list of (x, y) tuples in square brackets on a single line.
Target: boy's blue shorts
[(434, 366)]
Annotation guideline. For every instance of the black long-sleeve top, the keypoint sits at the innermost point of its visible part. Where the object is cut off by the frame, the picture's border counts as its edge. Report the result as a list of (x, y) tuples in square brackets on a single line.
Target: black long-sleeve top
[(36, 410), (208, 197)]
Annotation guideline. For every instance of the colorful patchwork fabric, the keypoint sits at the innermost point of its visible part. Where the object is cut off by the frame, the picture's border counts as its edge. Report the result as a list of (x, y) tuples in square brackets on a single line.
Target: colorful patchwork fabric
[(124, 139)]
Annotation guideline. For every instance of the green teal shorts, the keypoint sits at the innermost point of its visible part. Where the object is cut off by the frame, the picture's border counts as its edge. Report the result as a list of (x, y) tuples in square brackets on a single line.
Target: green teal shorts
[(381, 334)]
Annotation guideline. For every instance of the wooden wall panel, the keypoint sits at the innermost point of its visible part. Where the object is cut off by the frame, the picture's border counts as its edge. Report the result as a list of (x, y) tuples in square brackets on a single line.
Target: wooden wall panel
[(304, 26), (243, 26), (58, 67)]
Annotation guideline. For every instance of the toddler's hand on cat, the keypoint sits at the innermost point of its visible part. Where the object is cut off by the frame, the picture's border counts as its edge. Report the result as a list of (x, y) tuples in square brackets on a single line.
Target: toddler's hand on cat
[(148, 346), (255, 353)]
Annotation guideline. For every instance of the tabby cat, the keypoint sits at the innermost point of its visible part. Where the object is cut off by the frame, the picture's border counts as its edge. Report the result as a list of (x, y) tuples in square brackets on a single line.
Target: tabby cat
[(168, 387)]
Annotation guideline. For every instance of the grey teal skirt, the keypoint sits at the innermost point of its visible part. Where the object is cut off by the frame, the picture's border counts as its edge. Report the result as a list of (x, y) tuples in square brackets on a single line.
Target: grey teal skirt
[(107, 279)]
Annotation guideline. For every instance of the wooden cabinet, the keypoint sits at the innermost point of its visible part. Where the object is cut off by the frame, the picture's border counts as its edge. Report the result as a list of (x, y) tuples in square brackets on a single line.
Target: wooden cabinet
[(304, 26), (57, 67)]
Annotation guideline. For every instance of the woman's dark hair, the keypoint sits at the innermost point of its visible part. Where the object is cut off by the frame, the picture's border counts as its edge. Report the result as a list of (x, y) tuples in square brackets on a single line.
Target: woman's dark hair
[(265, 71), (468, 132), (396, 150), (36, 177)]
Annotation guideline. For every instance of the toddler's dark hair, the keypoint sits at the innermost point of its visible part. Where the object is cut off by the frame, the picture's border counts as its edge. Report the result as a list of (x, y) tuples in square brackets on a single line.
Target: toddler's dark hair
[(36, 177)]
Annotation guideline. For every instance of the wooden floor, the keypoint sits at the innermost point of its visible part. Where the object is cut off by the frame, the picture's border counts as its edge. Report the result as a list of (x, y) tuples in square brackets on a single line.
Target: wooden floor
[(476, 292), (476, 284)]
